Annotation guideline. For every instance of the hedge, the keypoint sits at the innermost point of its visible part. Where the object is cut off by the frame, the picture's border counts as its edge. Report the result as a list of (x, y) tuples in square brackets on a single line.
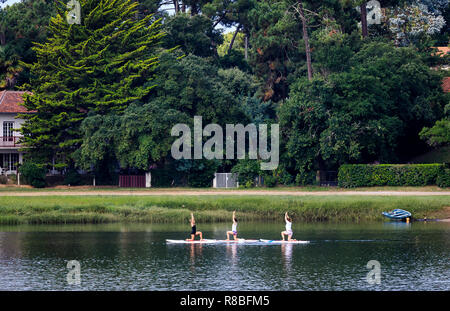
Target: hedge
[(443, 179), (367, 175)]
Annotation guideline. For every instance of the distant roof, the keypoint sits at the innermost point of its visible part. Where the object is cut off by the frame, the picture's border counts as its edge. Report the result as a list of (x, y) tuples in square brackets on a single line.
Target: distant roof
[(446, 84), (10, 102), (442, 50)]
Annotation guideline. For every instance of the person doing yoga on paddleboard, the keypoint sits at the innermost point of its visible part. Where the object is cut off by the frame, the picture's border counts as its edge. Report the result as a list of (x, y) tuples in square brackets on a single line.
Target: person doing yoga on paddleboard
[(233, 228), (194, 231), (288, 230)]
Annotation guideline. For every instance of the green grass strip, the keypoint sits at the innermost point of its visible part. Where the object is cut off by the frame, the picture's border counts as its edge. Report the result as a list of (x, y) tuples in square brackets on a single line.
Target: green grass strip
[(176, 209)]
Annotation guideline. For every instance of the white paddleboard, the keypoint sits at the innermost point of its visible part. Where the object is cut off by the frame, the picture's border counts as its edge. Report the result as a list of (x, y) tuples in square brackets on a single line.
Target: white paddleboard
[(283, 242), (237, 241), (204, 241)]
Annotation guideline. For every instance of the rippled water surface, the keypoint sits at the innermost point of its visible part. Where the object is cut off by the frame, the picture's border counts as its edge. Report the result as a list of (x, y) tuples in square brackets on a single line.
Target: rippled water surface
[(135, 257)]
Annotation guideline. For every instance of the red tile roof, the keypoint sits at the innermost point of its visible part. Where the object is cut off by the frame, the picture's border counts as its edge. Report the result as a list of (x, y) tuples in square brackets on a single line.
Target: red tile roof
[(442, 50), (10, 102), (446, 84)]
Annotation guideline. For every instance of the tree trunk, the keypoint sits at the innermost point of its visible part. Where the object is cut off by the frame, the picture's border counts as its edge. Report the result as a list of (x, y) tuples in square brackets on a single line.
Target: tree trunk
[(364, 19), (232, 40), (306, 39), (176, 6), (246, 47), (183, 7), (322, 170), (219, 20), (194, 9)]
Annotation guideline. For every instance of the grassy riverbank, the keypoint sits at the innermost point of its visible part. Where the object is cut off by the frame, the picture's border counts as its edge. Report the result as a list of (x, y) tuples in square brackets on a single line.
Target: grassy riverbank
[(4, 189), (176, 209)]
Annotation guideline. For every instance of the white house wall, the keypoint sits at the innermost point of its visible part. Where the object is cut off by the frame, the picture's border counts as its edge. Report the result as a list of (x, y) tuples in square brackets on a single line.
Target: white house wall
[(13, 149), (11, 117)]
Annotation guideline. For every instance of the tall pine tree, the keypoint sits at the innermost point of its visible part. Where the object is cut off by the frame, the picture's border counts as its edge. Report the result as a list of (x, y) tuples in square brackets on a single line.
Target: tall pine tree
[(99, 66)]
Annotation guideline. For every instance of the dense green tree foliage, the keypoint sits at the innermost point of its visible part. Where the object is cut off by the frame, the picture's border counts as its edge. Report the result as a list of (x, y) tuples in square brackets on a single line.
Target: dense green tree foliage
[(101, 65), (438, 134), (373, 111), (275, 36), (106, 93), (193, 34), (20, 25), (140, 137)]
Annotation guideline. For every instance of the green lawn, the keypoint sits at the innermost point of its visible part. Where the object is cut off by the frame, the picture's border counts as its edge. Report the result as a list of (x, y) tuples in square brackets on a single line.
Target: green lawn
[(13, 188)]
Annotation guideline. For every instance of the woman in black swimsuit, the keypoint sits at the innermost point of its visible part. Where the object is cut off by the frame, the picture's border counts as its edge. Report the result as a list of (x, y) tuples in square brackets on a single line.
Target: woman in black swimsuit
[(194, 231)]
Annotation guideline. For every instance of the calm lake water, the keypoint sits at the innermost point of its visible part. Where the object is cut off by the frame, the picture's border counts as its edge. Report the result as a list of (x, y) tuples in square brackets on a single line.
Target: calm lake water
[(135, 257)]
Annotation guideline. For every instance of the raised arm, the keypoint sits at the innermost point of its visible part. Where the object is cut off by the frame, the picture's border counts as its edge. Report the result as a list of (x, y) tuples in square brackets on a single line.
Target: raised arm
[(286, 216), (234, 215), (192, 219)]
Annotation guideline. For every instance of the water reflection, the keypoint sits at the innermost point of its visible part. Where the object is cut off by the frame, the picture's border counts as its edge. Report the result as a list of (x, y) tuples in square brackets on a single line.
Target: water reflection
[(195, 254), (397, 225), (232, 253), (140, 259), (286, 252), (10, 246)]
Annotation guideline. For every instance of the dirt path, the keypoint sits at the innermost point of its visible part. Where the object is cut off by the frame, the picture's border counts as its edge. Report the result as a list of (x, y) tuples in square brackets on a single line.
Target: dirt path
[(218, 192)]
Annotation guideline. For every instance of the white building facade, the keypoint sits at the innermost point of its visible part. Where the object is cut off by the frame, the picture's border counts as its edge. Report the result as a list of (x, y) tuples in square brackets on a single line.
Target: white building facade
[(10, 153)]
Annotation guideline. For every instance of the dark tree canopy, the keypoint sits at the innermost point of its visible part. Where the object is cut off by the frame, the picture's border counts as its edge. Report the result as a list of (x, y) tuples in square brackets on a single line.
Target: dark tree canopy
[(106, 93), (102, 65)]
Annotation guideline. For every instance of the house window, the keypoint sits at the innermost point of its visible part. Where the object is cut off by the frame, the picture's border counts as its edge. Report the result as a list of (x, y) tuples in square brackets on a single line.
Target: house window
[(9, 161), (8, 132), (5, 165), (14, 160)]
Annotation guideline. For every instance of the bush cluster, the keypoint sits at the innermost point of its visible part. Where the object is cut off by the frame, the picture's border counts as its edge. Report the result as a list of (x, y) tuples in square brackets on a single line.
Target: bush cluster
[(367, 175), (33, 174), (443, 178)]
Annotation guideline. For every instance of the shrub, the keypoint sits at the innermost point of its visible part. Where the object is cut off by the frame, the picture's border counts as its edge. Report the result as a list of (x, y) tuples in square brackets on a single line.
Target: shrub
[(247, 184), (33, 174), (72, 178), (201, 173), (164, 177), (270, 181), (443, 179), (304, 178), (12, 179), (3, 179), (283, 176), (247, 171), (367, 175)]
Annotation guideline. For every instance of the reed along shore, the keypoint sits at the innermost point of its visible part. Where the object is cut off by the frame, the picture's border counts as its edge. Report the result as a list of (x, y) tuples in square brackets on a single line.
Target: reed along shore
[(50, 209)]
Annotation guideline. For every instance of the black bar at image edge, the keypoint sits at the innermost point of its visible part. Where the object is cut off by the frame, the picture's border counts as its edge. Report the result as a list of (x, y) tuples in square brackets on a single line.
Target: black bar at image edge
[(230, 300)]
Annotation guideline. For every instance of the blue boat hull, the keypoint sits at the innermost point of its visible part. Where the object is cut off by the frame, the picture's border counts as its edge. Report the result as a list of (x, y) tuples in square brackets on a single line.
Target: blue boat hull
[(398, 214)]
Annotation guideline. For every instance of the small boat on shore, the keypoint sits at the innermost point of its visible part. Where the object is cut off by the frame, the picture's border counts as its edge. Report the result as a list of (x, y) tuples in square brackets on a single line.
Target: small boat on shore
[(398, 214)]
